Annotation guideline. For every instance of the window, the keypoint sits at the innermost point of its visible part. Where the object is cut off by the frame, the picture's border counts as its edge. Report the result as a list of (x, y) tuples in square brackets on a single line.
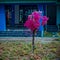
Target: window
[(24, 11), (8, 14), (16, 15)]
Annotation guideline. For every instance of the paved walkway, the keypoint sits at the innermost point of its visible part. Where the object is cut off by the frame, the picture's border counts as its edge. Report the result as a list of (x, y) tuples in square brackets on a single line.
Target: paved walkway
[(28, 39)]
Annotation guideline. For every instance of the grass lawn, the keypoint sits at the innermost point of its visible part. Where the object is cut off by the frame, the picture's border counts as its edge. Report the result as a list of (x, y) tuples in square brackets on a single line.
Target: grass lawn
[(17, 50), (51, 34)]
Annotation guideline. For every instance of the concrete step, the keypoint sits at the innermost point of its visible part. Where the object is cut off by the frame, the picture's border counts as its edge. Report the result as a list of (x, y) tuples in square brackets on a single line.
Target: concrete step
[(18, 33)]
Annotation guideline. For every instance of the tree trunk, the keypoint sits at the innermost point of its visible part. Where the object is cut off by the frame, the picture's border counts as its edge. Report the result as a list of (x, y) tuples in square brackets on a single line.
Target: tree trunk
[(33, 42)]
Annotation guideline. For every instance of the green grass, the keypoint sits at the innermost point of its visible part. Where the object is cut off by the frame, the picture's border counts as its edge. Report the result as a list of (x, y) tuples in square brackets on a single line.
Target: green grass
[(50, 34), (17, 50), (47, 34)]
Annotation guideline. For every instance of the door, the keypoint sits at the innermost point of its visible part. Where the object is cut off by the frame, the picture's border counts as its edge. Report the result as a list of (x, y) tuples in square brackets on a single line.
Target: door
[(51, 13)]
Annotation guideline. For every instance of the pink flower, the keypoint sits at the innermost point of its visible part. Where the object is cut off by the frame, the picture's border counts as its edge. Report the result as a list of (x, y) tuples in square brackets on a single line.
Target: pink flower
[(36, 15), (29, 17), (44, 20), (33, 20), (32, 23)]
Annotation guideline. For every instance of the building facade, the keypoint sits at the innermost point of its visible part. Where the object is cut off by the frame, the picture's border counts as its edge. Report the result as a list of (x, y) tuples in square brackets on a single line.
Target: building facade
[(13, 13)]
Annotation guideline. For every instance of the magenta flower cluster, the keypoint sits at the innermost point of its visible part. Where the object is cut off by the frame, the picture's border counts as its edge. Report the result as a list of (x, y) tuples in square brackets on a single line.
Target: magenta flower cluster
[(32, 21)]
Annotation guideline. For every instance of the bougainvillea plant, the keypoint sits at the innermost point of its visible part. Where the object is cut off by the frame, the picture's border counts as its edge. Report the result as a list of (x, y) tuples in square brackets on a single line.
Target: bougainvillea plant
[(33, 23)]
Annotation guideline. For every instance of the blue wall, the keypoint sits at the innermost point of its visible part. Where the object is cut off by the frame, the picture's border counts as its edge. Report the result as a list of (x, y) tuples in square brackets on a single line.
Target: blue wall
[(41, 8), (58, 15), (2, 18)]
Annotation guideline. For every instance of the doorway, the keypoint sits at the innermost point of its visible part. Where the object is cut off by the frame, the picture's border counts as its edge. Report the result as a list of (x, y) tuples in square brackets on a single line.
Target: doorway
[(51, 13)]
